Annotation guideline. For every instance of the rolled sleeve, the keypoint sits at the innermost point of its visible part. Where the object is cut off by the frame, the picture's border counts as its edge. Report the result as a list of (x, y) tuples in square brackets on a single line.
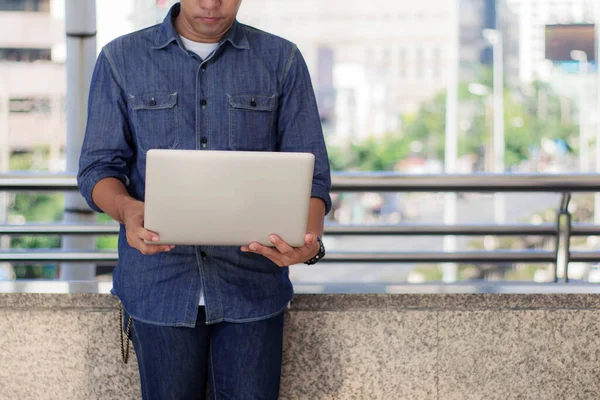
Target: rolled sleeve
[(86, 185), (321, 192), (299, 124), (107, 149)]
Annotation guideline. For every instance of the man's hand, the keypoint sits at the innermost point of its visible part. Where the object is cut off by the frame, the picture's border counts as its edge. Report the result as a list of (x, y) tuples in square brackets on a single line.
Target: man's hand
[(133, 218), (283, 254)]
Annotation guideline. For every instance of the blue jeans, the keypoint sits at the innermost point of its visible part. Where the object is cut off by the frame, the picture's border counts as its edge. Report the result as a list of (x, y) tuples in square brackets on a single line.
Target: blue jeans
[(239, 360)]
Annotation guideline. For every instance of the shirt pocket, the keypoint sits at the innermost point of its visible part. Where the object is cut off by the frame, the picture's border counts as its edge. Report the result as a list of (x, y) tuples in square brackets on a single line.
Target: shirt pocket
[(155, 120), (251, 122)]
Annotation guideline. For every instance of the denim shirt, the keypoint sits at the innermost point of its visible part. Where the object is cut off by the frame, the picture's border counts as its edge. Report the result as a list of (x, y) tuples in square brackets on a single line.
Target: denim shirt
[(148, 92)]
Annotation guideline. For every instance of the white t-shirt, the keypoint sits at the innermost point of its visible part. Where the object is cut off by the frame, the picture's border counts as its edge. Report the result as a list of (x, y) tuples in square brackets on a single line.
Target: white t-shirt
[(203, 50)]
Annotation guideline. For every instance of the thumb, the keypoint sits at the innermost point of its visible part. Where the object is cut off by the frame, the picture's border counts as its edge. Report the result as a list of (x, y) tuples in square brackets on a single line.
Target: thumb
[(309, 239)]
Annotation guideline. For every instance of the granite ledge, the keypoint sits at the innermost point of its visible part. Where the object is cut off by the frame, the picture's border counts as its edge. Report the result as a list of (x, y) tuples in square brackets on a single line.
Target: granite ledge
[(337, 302)]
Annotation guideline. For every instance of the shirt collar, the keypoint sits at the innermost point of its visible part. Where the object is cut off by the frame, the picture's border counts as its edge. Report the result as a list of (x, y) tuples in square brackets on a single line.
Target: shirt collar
[(166, 32)]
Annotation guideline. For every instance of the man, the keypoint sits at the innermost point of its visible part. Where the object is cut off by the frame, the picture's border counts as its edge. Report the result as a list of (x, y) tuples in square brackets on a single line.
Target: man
[(201, 80)]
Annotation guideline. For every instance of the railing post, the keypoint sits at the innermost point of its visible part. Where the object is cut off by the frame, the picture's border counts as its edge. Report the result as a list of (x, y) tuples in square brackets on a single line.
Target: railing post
[(6, 269), (81, 56), (563, 239), (450, 270)]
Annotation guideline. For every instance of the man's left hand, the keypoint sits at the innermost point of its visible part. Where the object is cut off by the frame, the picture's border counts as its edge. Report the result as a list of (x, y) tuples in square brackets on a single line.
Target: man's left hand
[(283, 254)]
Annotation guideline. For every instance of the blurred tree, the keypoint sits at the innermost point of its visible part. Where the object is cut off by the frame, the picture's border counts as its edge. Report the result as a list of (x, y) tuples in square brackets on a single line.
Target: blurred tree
[(428, 127), (370, 154), (106, 242), (531, 116), (34, 208), (29, 207)]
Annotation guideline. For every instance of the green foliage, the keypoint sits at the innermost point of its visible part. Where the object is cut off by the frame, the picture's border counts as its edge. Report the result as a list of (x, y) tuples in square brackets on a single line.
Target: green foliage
[(372, 154), (34, 208), (46, 271), (38, 207), (34, 161), (526, 124), (20, 162), (338, 158), (106, 242), (428, 127)]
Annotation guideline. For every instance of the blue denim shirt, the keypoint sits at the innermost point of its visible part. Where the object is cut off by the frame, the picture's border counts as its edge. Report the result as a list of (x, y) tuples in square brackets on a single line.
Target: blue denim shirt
[(148, 92)]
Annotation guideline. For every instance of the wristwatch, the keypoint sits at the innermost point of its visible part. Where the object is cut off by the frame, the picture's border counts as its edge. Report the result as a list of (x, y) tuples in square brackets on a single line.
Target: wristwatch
[(319, 255)]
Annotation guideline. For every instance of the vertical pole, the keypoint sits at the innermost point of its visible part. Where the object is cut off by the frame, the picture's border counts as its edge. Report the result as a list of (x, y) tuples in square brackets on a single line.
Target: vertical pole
[(583, 138), (597, 195), (449, 270), (4, 162), (584, 161), (56, 127), (563, 240), (81, 57), (499, 206)]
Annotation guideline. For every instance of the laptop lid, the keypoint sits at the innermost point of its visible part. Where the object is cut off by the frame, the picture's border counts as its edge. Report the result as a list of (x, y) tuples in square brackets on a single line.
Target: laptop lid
[(200, 197)]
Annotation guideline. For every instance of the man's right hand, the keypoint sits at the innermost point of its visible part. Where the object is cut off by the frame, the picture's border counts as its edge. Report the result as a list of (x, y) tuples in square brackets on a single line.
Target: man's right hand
[(133, 219)]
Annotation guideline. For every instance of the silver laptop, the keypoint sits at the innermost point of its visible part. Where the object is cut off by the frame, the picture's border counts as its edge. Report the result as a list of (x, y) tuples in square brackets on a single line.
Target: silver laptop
[(200, 197)]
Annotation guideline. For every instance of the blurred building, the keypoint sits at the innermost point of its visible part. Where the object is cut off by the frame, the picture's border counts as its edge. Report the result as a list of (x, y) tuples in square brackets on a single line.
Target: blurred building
[(550, 31), (33, 72), (494, 14), (373, 61), (32, 83), (533, 16), (370, 61)]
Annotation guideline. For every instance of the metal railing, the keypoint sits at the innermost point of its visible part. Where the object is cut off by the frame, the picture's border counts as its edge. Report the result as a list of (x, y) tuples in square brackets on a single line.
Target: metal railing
[(563, 230)]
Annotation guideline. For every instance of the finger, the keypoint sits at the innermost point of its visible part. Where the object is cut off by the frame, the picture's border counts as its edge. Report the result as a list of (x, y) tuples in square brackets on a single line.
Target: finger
[(281, 245), (145, 234), (139, 244), (150, 249), (164, 247), (268, 252), (310, 238), (257, 247)]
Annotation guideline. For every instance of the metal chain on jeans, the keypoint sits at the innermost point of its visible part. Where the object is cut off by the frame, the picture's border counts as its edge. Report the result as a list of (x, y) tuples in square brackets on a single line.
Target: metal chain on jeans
[(124, 346)]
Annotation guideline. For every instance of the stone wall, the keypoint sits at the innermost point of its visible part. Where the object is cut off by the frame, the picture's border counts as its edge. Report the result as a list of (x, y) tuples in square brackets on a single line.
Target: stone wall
[(435, 346)]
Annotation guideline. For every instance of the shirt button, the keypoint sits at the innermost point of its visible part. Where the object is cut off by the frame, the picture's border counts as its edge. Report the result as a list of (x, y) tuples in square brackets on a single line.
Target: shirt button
[(204, 141), (203, 103), (153, 102), (203, 67), (203, 254)]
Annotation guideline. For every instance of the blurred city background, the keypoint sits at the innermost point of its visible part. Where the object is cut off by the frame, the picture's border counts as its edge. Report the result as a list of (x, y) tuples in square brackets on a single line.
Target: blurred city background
[(518, 78)]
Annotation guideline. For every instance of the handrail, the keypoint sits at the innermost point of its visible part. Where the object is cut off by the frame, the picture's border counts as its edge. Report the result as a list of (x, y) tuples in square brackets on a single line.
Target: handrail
[(489, 257), (406, 229), (562, 230), (37, 182), (376, 182)]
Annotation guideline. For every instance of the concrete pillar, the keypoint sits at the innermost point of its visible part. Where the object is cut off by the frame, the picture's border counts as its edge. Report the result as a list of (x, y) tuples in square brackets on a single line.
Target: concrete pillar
[(81, 58)]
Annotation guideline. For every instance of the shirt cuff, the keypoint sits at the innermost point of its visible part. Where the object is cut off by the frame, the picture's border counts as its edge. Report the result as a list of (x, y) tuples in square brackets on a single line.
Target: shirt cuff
[(86, 185), (322, 193)]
